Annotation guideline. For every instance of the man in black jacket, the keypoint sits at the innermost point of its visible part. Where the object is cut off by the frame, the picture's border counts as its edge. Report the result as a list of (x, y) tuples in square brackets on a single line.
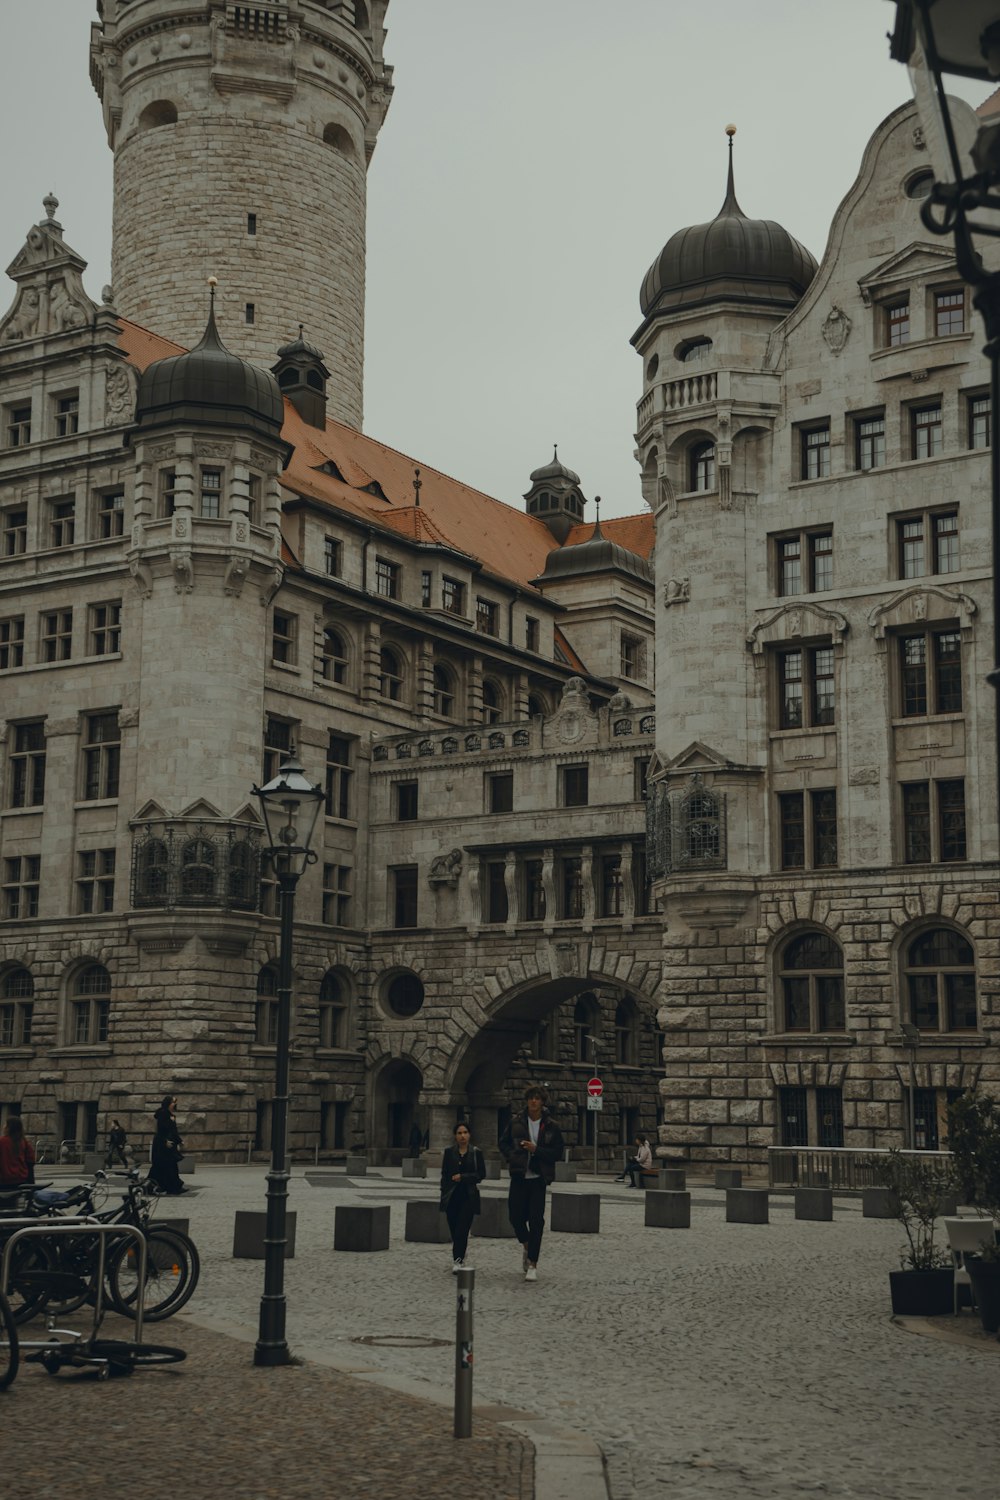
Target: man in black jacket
[(531, 1146)]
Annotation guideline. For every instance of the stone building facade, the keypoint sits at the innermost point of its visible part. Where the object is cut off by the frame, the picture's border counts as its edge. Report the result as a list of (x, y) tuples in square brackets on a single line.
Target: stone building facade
[(814, 440)]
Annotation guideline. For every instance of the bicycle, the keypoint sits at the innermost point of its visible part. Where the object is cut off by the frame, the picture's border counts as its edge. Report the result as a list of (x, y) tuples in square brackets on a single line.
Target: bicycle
[(9, 1345)]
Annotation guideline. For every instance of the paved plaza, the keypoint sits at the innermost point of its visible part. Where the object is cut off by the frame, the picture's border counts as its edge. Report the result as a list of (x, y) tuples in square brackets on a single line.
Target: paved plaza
[(725, 1360)]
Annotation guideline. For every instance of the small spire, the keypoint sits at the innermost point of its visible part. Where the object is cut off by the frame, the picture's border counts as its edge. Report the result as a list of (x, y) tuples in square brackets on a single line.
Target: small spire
[(730, 208), (50, 203), (417, 487), (211, 334), (597, 534), (301, 332)]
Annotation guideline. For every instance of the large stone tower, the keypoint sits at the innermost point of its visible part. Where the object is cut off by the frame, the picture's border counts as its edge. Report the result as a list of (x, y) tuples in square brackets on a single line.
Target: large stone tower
[(242, 135)]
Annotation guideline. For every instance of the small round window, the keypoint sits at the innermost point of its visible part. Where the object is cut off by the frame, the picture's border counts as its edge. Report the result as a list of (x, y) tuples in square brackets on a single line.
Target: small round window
[(404, 995), (652, 366), (919, 185)]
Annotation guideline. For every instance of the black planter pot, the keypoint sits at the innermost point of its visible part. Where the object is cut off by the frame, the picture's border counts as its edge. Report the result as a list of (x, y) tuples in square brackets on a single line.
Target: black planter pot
[(922, 1294), (985, 1278)]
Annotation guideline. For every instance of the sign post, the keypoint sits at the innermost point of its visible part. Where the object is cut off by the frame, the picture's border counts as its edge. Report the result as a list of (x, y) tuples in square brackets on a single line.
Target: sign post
[(595, 1103)]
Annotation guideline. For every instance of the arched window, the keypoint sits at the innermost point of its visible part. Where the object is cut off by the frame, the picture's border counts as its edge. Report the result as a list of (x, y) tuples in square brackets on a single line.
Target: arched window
[(334, 656), (360, 15), (266, 1011), (17, 990), (332, 1011), (694, 350), (336, 136), (444, 692), (241, 879), (626, 1034), (492, 702), (390, 674), (586, 1020), (89, 1006), (537, 707), (544, 1045), (702, 465), (197, 870), (939, 980), (152, 887), (160, 112), (811, 981)]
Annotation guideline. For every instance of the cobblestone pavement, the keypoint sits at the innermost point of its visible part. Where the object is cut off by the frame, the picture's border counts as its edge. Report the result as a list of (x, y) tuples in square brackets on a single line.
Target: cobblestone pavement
[(725, 1360)]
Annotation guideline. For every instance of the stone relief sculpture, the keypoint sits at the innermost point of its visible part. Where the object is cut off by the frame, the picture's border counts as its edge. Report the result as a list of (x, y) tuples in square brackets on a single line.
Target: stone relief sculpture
[(118, 397), (236, 574), (183, 571), (23, 321), (50, 292), (676, 591), (65, 312), (446, 868), (836, 329)]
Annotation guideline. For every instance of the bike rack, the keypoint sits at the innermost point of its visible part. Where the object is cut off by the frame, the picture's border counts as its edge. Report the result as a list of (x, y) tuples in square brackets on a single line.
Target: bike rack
[(33, 1229)]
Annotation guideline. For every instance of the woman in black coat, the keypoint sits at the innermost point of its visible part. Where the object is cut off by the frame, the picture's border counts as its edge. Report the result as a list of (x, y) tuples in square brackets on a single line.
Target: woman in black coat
[(166, 1154), (462, 1170)]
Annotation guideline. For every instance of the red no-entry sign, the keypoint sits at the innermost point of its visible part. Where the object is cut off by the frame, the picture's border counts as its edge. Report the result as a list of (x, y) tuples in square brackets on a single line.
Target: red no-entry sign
[(595, 1088)]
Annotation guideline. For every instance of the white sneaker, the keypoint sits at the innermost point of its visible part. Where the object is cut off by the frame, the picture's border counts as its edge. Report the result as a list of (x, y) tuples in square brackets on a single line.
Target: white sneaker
[(530, 1273), (457, 1267)]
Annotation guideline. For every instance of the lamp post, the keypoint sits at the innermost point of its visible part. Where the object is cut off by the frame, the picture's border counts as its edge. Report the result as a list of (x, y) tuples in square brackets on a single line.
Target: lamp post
[(290, 806)]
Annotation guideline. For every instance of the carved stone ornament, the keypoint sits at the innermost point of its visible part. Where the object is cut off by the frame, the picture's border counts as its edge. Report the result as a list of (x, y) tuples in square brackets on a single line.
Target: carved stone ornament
[(50, 296), (919, 603), (446, 869), (128, 718), (205, 449), (569, 727), (269, 590), (236, 575), (790, 622), (836, 329), (119, 396), (183, 567), (676, 591), (919, 139), (141, 577)]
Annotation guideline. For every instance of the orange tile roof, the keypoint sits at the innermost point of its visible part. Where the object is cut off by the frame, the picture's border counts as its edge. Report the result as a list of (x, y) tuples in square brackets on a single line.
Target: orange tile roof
[(376, 485), (990, 105), (567, 650)]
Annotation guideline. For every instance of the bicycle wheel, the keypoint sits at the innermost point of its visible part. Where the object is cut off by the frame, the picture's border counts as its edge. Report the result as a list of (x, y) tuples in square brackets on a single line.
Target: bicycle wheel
[(32, 1263), (10, 1353), (134, 1356), (172, 1272), (74, 1278)]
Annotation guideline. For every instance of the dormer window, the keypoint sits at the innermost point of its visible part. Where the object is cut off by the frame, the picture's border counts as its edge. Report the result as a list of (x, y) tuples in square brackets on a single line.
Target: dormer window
[(702, 465)]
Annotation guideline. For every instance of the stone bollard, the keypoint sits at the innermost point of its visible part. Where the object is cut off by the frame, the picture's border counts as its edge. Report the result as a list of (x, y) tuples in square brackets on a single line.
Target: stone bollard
[(327, 1179), (357, 1228), (186, 1166), (182, 1225), (671, 1180), (493, 1165), (875, 1204), (356, 1166), (249, 1231), (565, 1171), (814, 1203), (492, 1222), (746, 1205), (575, 1213), (668, 1209), (412, 1167), (425, 1223), (728, 1177)]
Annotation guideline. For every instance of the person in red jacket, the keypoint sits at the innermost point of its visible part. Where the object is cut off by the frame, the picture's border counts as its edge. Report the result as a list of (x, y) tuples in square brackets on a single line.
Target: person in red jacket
[(17, 1155)]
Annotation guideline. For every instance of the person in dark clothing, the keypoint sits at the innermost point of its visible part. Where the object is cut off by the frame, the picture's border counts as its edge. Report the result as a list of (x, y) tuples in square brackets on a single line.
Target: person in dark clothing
[(416, 1139), (531, 1145), (462, 1170), (117, 1140), (17, 1155), (166, 1153)]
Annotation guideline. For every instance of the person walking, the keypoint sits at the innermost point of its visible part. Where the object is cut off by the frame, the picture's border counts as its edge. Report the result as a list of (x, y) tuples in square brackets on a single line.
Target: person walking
[(17, 1155), (462, 1170), (641, 1162), (166, 1153), (531, 1145), (117, 1141)]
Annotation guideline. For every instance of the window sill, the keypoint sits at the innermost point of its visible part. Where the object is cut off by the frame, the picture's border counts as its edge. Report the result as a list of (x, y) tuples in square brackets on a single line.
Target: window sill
[(351, 1052), (953, 718), (21, 1053), (22, 812), (808, 1039), (944, 1039), (286, 666), (97, 802), (263, 1049), (83, 1049)]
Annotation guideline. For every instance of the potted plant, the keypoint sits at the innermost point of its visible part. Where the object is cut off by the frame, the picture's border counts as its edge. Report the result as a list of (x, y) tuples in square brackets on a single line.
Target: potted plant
[(918, 1189), (974, 1141)]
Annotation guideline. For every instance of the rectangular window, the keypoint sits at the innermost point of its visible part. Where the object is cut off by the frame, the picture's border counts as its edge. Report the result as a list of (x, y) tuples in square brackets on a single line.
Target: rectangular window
[(571, 888), (105, 628), (101, 756), (815, 452), (453, 596), (534, 891), (210, 503), (820, 560), (823, 805), (897, 322), (386, 578), (944, 530), (425, 589), (949, 313), (791, 816), (574, 786), (337, 895), (15, 532), (332, 1125), (339, 776), (612, 890), (62, 522), (500, 792), (21, 881), (27, 765), (496, 891), (250, 313), (68, 414), (926, 440), (283, 638), (95, 881), (57, 635), (807, 829), (406, 801), (869, 442), (251, 223), (531, 633), (830, 1118), (16, 1020), (11, 642), (253, 499), (277, 745), (804, 562), (19, 425), (403, 886), (632, 654), (333, 557), (938, 691), (934, 823), (640, 778), (806, 687), (110, 514), (487, 617), (979, 421), (168, 493)]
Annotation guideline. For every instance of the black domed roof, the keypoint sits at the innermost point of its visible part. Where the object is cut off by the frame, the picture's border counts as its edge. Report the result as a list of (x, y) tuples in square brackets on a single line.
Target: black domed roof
[(732, 259), (598, 554), (299, 348), (209, 386), (554, 470)]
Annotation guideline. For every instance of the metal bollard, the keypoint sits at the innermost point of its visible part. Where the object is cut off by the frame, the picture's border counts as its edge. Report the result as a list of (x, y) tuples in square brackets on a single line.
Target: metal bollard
[(463, 1354)]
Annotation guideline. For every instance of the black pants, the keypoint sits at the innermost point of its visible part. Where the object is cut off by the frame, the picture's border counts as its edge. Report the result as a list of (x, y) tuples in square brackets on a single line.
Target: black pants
[(460, 1213), (113, 1152), (526, 1210)]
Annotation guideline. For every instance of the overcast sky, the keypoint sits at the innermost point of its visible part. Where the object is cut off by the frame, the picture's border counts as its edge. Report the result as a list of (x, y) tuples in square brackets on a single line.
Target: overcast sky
[(536, 157)]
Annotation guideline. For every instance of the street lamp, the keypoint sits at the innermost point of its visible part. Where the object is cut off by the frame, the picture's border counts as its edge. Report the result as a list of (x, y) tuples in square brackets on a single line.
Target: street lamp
[(911, 1039), (290, 805)]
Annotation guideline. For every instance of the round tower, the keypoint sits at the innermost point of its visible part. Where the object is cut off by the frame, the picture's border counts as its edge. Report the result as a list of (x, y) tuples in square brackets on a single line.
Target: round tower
[(242, 135)]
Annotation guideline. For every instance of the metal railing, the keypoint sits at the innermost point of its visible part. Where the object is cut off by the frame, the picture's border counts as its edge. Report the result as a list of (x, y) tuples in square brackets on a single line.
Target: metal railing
[(840, 1167)]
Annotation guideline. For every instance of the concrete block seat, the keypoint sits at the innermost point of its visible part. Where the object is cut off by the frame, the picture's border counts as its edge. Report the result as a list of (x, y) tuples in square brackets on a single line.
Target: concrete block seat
[(248, 1235), (668, 1209), (425, 1223), (875, 1203), (746, 1205), (565, 1171), (492, 1223), (575, 1213), (728, 1177), (814, 1203), (413, 1167), (360, 1227)]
